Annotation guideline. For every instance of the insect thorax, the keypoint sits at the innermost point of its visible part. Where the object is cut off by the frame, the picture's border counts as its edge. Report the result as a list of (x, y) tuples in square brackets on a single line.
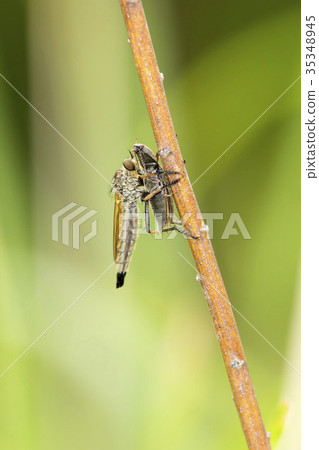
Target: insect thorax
[(127, 185)]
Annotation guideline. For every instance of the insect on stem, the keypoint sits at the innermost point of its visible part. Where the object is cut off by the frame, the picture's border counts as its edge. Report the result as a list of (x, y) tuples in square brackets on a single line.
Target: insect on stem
[(202, 251)]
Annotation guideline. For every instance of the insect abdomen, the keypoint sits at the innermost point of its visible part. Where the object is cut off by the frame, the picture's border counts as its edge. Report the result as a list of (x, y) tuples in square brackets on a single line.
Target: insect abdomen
[(128, 231)]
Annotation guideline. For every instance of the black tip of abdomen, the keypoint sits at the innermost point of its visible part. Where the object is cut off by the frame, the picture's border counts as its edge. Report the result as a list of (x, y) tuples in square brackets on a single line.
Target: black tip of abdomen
[(120, 279)]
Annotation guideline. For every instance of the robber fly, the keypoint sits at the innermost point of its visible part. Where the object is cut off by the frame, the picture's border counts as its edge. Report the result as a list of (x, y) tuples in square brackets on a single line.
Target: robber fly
[(127, 188), (157, 190), (141, 178)]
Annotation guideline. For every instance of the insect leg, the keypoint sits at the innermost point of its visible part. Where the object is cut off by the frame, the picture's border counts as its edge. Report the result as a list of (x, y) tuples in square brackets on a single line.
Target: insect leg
[(170, 172), (147, 217), (152, 175), (160, 189), (173, 229), (180, 231), (147, 175)]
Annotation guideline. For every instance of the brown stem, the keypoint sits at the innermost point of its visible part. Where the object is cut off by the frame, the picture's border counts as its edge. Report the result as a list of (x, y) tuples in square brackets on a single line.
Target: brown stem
[(203, 254)]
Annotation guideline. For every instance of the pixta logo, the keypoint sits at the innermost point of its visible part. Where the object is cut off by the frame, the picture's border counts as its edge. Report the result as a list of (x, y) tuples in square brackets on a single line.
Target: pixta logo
[(72, 221)]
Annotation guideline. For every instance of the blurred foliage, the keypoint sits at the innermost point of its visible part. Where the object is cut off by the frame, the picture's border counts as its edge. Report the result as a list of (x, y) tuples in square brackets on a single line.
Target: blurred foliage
[(278, 423), (140, 368)]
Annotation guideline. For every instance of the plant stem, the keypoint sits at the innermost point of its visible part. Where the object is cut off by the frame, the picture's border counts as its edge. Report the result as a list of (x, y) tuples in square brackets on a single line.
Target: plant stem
[(209, 275)]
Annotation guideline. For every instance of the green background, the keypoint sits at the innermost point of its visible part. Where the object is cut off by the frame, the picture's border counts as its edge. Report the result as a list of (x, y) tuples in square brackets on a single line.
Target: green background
[(140, 367)]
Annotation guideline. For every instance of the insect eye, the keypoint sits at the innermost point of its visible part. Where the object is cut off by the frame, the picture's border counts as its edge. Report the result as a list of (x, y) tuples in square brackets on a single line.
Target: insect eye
[(129, 164)]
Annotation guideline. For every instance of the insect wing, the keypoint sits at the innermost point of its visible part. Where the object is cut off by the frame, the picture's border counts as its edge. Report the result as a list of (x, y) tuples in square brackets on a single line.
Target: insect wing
[(145, 156), (118, 210)]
